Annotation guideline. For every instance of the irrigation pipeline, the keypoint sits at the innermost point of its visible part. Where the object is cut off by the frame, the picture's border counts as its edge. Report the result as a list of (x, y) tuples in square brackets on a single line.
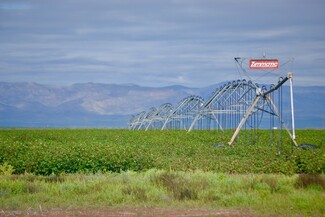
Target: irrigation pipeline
[(234, 106)]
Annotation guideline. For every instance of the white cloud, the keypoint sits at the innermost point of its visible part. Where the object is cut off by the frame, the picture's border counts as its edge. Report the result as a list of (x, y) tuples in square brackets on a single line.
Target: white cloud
[(155, 43)]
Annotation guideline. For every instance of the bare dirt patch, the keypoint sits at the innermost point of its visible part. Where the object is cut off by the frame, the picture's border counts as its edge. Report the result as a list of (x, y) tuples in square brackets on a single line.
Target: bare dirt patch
[(145, 212)]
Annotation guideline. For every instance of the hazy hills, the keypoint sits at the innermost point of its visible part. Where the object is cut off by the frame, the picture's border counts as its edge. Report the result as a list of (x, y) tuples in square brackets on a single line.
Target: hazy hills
[(111, 105)]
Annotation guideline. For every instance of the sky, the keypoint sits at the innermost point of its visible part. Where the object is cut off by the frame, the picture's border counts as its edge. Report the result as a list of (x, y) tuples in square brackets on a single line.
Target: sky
[(158, 42)]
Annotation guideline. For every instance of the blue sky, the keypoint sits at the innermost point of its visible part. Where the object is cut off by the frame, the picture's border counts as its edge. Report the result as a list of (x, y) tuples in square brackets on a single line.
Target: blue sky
[(157, 42)]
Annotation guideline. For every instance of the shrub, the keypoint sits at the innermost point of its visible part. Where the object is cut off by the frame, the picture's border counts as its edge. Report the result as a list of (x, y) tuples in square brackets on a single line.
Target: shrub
[(138, 192), (306, 180), (272, 182), (178, 186), (6, 169)]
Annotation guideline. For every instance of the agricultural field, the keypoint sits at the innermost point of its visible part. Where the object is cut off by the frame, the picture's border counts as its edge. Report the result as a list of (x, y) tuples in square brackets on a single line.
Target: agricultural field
[(145, 172), (56, 151)]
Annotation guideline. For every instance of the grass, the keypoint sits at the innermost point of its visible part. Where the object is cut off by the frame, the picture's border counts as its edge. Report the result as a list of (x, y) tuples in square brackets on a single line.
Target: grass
[(262, 195), (305, 181)]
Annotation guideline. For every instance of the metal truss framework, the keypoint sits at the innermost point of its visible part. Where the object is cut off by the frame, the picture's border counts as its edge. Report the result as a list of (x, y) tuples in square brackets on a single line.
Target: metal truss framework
[(223, 110), (234, 105), (225, 107), (184, 113)]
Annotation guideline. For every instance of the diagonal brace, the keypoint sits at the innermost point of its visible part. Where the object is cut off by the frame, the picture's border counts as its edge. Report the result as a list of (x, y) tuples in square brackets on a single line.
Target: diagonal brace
[(242, 122)]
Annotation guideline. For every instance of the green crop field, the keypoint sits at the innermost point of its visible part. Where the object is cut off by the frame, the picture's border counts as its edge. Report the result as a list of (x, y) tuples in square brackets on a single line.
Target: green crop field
[(81, 170), (57, 151)]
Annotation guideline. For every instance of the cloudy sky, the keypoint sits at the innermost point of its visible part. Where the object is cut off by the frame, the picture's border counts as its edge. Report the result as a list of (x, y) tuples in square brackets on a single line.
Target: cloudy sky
[(157, 42)]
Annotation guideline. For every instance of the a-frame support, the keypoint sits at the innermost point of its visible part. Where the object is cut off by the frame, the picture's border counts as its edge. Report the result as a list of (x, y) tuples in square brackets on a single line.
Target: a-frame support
[(266, 96)]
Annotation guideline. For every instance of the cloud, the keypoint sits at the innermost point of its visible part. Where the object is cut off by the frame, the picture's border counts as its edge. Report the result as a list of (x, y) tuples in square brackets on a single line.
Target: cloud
[(156, 43)]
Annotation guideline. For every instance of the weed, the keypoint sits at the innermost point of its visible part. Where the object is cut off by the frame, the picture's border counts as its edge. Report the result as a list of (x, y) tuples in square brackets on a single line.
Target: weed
[(305, 180), (272, 182), (54, 178), (6, 169), (161, 188), (32, 188), (138, 192), (210, 196), (263, 189), (180, 187)]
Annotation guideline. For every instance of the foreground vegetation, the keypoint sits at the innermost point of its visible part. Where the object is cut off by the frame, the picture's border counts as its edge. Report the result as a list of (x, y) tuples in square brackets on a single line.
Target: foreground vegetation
[(257, 195), (57, 151), (96, 168)]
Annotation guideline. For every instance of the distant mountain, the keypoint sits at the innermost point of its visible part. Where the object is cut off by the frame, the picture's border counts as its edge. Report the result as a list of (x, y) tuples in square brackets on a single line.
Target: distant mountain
[(111, 105), (88, 104)]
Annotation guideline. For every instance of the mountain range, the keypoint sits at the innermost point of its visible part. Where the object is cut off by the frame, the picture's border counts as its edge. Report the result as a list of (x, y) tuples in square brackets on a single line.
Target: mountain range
[(30, 104)]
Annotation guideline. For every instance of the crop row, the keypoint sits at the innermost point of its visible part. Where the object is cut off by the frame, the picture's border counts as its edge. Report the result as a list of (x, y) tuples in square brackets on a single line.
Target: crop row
[(56, 151)]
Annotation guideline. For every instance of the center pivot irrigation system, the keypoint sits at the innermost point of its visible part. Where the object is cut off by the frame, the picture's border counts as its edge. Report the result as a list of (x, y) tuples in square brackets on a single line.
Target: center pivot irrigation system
[(236, 105)]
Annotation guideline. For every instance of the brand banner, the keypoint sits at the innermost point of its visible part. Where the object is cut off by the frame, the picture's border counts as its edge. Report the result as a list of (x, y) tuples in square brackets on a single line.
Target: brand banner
[(264, 64)]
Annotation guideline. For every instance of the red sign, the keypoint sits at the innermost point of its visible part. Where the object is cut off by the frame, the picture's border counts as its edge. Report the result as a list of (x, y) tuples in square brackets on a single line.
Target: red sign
[(264, 64)]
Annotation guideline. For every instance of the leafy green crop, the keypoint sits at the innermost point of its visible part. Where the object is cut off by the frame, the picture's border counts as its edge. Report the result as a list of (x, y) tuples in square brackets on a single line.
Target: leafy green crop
[(57, 151)]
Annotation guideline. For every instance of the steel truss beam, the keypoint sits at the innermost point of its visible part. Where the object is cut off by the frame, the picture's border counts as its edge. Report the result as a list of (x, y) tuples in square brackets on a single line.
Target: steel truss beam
[(231, 106)]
